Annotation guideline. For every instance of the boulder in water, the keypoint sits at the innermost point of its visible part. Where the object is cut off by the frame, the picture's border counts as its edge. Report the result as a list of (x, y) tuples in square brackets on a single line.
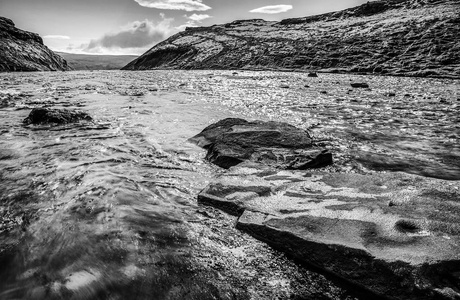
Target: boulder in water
[(42, 115), (232, 141)]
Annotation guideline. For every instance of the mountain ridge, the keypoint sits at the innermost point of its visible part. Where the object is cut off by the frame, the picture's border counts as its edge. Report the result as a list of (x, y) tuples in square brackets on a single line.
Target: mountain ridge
[(96, 62), (22, 50), (389, 37)]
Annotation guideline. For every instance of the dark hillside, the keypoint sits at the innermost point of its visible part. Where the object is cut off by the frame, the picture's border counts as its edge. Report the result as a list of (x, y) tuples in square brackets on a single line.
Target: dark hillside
[(409, 38), (24, 51)]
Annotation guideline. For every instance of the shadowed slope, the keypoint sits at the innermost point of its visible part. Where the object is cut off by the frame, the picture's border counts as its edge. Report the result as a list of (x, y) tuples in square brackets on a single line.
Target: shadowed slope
[(24, 51)]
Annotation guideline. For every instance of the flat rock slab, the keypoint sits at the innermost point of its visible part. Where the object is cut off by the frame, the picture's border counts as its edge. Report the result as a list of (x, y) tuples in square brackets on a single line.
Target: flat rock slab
[(390, 234), (232, 141)]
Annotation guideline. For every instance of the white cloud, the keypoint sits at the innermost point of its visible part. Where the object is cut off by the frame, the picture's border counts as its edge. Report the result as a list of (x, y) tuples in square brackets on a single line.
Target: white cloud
[(134, 38), (193, 21), (198, 18), (272, 9), (56, 37), (187, 5)]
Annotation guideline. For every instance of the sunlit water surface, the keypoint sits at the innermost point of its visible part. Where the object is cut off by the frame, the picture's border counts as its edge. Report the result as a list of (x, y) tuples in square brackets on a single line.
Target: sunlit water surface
[(108, 209)]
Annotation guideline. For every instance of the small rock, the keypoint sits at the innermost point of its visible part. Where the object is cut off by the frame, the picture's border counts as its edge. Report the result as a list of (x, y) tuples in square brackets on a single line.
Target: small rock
[(4, 103), (312, 74), (137, 93), (359, 85)]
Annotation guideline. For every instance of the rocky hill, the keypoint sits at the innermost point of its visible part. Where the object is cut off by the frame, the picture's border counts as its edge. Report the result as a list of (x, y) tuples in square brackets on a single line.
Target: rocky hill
[(394, 37), (24, 51)]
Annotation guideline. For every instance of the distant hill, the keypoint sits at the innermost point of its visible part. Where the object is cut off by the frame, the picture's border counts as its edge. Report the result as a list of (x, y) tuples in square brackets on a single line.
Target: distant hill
[(395, 37), (24, 51), (97, 62)]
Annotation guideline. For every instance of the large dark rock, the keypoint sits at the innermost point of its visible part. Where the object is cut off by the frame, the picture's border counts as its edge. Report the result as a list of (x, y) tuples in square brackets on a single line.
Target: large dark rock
[(387, 235), (232, 141), (420, 40), (57, 116), (24, 51)]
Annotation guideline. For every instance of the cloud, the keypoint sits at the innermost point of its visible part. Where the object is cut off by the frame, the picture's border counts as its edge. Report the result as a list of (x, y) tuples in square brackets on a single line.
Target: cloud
[(134, 38), (187, 5), (56, 37), (193, 21), (198, 18), (272, 9)]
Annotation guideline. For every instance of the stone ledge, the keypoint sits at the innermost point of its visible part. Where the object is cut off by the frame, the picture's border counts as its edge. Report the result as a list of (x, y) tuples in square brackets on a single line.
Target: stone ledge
[(390, 234)]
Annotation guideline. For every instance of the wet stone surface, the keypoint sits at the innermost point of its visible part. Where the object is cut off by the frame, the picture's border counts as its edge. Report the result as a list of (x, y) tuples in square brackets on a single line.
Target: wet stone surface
[(108, 209), (233, 141), (397, 235)]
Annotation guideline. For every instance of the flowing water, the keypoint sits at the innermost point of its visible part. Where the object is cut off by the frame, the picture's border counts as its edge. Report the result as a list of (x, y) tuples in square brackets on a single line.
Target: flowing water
[(107, 209)]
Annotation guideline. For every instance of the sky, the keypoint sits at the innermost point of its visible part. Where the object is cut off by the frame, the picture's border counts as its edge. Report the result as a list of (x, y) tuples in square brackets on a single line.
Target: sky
[(134, 26)]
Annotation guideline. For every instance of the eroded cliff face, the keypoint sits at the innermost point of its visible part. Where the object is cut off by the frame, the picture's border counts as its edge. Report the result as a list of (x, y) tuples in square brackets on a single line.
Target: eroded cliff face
[(395, 37), (24, 51)]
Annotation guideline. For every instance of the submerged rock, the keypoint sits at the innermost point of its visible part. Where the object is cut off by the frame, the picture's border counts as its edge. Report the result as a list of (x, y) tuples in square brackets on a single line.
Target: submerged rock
[(343, 225), (232, 141), (58, 116), (448, 168)]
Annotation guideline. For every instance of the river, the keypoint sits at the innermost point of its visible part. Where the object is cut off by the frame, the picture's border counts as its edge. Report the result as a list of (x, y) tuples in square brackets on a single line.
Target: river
[(107, 209)]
